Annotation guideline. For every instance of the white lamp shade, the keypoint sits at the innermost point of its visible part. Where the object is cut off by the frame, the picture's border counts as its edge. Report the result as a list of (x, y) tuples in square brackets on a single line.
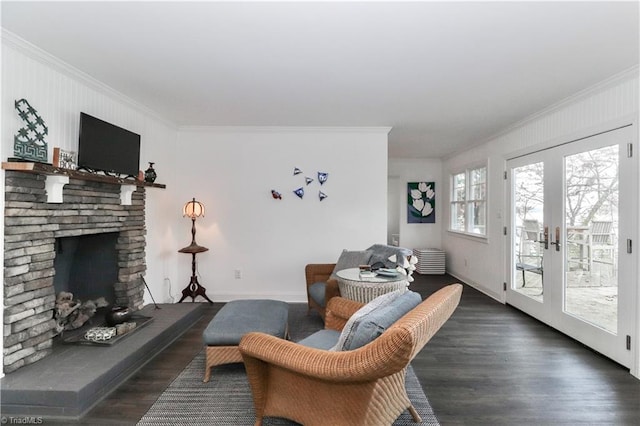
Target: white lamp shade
[(193, 209)]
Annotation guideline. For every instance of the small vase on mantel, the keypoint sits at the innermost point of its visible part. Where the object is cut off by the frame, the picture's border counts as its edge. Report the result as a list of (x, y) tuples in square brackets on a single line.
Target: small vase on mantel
[(150, 174)]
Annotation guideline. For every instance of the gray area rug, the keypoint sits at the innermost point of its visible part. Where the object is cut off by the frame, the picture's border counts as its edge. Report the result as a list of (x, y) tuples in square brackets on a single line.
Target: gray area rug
[(226, 400)]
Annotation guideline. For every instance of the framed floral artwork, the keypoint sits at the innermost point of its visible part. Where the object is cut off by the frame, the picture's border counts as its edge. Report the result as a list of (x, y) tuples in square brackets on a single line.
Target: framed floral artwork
[(421, 198)]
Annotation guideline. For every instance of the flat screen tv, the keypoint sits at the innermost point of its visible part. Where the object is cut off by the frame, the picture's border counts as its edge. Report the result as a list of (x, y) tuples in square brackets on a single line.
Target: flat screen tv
[(104, 147)]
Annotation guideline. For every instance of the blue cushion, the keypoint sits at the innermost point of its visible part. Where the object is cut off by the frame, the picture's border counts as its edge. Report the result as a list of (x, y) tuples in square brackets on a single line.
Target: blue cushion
[(350, 328), (348, 259), (375, 323), (317, 292), (323, 339), (238, 317)]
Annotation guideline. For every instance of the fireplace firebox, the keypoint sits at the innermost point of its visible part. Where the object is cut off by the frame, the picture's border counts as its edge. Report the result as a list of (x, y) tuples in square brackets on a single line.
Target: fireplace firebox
[(87, 266)]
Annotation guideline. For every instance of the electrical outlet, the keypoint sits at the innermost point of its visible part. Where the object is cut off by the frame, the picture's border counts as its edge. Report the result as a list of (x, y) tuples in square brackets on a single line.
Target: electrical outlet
[(238, 274)]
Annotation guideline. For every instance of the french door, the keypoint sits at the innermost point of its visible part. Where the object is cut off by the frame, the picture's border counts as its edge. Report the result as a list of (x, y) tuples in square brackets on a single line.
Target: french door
[(572, 216)]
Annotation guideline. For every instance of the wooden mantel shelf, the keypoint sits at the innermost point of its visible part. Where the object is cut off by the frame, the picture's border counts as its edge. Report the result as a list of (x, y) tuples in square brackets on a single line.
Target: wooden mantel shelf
[(57, 178), (47, 169)]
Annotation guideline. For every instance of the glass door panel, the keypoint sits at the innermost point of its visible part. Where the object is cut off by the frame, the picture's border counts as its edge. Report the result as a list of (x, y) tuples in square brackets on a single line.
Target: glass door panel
[(528, 241), (591, 250), (572, 209)]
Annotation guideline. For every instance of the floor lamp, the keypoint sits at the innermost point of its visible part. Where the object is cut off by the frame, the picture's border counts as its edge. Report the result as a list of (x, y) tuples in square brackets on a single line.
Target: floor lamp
[(193, 209)]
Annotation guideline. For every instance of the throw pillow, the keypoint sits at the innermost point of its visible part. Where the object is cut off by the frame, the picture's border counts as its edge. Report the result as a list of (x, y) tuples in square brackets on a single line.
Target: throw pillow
[(351, 327), (400, 258), (351, 259), (383, 253), (375, 323)]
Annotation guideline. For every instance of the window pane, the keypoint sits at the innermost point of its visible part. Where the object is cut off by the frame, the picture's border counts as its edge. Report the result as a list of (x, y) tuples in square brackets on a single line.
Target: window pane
[(458, 187), (457, 216), (478, 175), (477, 183), (478, 217), (478, 192), (468, 201)]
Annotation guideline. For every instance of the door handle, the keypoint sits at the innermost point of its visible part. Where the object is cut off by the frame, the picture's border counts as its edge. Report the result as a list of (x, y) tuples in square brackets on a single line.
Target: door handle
[(557, 241), (545, 235)]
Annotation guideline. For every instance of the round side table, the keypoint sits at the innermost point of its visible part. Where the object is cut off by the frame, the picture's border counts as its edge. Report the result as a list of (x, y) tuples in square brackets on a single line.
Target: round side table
[(364, 289)]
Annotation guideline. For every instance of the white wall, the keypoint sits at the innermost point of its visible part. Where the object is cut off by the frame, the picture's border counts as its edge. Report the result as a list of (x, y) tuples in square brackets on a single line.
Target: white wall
[(404, 170), (598, 108), (233, 170), (59, 93)]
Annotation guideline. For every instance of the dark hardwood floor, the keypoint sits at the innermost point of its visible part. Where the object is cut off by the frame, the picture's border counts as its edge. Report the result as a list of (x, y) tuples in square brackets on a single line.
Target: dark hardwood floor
[(489, 365)]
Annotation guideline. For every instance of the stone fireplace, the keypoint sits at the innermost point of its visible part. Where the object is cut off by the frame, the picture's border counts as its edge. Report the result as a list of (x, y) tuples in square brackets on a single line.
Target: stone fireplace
[(35, 230)]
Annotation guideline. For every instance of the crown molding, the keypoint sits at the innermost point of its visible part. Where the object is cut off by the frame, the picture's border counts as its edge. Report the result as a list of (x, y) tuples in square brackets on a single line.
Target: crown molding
[(32, 51), (283, 129), (614, 80)]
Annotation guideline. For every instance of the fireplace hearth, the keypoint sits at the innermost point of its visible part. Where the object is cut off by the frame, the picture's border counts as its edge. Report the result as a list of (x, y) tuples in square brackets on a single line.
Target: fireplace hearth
[(36, 230), (62, 387)]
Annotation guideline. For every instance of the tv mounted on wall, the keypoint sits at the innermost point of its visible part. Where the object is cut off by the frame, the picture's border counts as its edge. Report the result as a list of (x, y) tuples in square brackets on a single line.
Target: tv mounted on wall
[(104, 147)]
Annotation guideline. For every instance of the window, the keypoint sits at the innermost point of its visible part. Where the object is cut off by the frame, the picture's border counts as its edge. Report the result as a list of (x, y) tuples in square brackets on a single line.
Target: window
[(469, 201)]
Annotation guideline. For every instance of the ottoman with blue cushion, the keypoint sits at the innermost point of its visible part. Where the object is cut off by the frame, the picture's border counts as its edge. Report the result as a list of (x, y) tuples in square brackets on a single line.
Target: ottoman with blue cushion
[(234, 320)]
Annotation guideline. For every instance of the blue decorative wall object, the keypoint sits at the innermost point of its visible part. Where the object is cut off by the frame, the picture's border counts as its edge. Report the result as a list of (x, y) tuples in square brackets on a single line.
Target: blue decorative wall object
[(322, 177), (29, 143)]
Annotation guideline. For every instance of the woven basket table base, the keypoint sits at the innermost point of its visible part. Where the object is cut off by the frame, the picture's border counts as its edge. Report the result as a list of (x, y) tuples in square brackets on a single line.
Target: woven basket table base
[(365, 290)]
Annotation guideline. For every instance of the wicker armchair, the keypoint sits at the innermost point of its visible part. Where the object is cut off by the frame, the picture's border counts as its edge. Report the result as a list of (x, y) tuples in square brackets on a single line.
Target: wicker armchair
[(320, 273), (359, 387), (321, 287)]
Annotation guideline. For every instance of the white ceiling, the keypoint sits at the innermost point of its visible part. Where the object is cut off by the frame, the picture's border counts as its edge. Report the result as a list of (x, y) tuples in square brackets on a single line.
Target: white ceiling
[(443, 75)]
